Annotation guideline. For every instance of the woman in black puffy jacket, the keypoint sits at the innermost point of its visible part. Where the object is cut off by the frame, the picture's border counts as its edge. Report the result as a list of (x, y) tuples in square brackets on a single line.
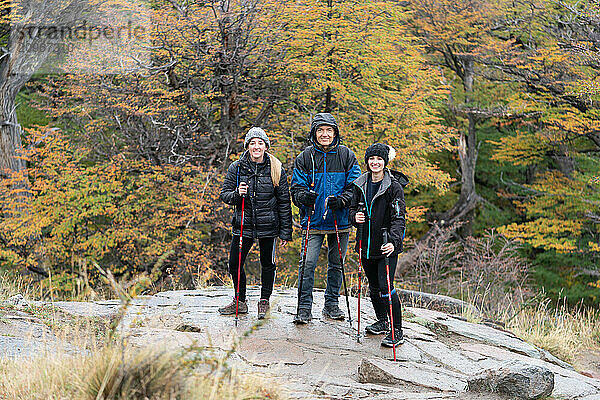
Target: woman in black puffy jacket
[(259, 178), (378, 204)]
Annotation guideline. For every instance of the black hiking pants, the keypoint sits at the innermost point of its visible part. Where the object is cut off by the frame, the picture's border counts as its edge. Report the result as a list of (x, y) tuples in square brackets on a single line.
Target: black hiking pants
[(267, 275), (377, 277)]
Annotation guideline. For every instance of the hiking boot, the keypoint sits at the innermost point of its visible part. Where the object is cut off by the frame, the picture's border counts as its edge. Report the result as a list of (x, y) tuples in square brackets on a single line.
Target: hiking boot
[(398, 338), (303, 316), (378, 328), (229, 309), (263, 307), (334, 312)]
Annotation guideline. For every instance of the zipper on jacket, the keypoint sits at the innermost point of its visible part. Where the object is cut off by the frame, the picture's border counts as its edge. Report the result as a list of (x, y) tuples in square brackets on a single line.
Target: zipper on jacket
[(369, 210), (368, 223), (325, 175)]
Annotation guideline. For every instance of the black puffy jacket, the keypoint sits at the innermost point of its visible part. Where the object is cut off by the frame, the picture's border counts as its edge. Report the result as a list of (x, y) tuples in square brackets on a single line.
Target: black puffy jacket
[(387, 210), (267, 208)]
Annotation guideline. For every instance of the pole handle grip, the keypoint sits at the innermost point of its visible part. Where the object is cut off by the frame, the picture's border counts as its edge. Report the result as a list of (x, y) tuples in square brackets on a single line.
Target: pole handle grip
[(385, 236)]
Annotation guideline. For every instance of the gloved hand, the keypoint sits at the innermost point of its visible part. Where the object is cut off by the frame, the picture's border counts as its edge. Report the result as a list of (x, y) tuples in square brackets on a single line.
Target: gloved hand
[(308, 198), (335, 202)]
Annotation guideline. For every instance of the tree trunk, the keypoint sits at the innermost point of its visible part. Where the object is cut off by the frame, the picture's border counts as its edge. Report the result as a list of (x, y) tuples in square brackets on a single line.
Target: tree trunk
[(10, 130), (461, 215), (227, 74), (20, 59)]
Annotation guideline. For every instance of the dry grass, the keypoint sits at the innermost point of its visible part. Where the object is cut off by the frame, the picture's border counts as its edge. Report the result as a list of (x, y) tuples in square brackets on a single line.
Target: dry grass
[(104, 370), (133, 374), (562, 331)]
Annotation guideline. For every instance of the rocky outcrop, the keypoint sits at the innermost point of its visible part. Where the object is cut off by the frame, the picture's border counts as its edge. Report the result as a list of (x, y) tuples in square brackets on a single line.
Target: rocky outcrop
[(436, 302), (323, 360), (514, 379)]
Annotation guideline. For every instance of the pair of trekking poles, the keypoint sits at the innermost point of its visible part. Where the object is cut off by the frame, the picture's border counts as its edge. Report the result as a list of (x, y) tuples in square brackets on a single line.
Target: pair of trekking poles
[(337, 235), (387, 269)]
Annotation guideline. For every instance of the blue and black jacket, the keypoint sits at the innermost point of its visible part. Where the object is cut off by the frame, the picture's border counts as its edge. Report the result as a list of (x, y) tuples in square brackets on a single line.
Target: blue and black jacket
[(328, 173), (386, 210)]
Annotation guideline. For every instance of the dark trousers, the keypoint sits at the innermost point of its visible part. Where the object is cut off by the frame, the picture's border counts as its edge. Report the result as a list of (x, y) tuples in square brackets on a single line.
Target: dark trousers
[(267, 275), (377, 277)]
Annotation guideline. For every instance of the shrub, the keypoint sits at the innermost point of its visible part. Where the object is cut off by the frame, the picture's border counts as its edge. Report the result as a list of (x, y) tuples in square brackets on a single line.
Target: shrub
[(127, 215)]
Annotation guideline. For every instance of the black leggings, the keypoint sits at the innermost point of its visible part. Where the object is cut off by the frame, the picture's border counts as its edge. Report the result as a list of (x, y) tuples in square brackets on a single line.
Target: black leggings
[(267, 275), (376, 274)]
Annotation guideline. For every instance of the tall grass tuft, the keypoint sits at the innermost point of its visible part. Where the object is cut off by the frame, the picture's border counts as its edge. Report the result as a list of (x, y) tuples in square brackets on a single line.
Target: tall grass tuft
[(112, 373), (561, 330), (135, 375)]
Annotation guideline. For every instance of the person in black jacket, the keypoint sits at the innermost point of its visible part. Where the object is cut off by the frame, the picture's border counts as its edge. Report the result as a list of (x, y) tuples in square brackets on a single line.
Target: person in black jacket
[(260, 178), (378, 203)]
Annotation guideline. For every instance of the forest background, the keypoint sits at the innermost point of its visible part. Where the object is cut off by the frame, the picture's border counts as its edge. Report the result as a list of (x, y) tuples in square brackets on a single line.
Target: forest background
[(492, 105)]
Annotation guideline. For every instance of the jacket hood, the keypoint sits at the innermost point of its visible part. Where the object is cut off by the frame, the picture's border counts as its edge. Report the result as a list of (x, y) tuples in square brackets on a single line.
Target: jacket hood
[(324, 119), (400, 177)]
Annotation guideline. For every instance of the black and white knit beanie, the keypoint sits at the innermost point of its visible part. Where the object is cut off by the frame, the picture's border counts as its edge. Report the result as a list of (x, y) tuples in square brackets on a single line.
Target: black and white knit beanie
[(256, 132), (382, 150)]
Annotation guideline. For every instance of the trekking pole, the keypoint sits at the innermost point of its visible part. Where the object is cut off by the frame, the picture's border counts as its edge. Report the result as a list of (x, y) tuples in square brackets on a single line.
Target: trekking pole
[(304, 259), (359, 237), (387, 275), (337, 234), (237, 290)]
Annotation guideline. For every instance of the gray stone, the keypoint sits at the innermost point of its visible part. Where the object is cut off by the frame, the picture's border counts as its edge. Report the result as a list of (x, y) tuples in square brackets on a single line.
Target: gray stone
[(375, 370), (479, 332), (449, 358), (437, 302), (567, 383), (415, 331), (320, 360), (515, 379), (84, 309)]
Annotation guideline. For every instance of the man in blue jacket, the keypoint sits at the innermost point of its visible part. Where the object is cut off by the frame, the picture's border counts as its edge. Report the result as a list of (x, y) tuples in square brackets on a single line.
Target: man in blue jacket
[(322, 178)]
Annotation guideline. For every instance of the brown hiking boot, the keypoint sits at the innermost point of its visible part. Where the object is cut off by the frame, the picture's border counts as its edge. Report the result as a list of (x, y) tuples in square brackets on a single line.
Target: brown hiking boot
[(229, 309), (263, 308)]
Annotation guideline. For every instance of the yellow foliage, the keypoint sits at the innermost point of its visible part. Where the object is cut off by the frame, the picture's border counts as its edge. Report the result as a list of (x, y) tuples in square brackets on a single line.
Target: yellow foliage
[(124, 214)]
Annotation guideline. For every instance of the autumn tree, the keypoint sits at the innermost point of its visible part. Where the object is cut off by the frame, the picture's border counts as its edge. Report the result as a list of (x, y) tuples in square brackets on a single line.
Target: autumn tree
[(455, 37), (358, 61), (555, 60), (210, 77)]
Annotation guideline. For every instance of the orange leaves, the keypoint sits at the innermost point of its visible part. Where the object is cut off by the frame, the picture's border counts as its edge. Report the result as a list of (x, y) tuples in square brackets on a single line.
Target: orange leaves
[(415, 214), (522, 149), (121, 213), (557, 212)]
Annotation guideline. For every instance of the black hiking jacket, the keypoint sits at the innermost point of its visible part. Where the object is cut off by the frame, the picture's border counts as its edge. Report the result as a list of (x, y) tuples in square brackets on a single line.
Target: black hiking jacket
[(387, 210), (267, 208)]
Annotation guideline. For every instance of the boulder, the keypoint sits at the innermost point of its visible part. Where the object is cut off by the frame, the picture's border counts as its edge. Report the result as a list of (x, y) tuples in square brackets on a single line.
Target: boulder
[(515, 379)]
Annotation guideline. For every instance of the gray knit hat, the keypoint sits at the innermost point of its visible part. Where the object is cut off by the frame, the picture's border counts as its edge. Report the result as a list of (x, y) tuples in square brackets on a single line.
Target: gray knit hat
[(256, 132)]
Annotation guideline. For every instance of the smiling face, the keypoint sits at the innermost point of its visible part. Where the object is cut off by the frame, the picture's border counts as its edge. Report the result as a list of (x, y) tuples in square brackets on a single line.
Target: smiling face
[(325, 135), (257, 148), (375, 164)]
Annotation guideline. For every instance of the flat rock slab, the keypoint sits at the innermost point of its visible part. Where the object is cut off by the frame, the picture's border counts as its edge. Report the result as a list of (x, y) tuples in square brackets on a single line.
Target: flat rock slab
[(323, 360), (374, 370), (104, 309), (448, 358), (479, 332), (263, 353)]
